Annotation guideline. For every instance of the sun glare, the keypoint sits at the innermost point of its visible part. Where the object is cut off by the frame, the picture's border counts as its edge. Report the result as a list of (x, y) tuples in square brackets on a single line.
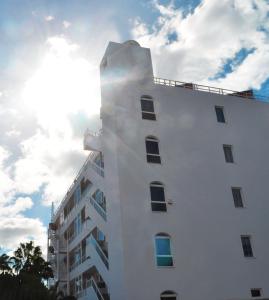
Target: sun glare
[(63, 84)]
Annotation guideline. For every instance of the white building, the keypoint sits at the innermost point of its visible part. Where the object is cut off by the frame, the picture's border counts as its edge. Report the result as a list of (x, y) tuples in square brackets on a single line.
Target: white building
[(172, 202)]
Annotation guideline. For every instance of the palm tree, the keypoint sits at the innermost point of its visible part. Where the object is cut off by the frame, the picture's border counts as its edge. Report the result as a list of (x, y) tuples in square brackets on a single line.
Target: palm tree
[(28, 259), (5, 264)]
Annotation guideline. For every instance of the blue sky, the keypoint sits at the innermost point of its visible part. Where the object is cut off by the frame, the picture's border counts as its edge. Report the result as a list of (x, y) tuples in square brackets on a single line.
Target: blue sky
[(49, 82)]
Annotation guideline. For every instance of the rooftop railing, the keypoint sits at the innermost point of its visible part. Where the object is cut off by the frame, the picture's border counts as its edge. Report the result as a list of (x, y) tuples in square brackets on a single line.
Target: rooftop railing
[(209, 89)]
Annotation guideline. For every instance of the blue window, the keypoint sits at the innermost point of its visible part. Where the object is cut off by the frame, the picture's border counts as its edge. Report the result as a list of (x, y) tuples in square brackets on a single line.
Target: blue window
[(164, 257)]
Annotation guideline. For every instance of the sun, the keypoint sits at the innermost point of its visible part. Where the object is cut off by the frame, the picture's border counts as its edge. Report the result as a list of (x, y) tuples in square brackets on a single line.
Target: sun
[(63, 84)]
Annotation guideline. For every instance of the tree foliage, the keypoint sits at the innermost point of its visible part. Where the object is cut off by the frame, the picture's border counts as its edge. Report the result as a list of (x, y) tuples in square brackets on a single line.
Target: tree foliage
[(22, 276)]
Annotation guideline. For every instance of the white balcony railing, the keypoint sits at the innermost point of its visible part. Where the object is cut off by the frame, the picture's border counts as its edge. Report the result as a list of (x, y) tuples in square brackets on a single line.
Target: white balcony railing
[(92, 140)]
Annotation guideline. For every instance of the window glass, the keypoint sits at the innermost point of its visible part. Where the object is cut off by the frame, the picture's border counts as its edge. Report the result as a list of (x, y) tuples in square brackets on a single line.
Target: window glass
[(228, 153), (163, 251), (147, 108), (246, 245), (157, 193), (237, 196), (147, 105), (152, 147), (163, 246), (157, 197), (255, 292), (168, 295), (220, 114)]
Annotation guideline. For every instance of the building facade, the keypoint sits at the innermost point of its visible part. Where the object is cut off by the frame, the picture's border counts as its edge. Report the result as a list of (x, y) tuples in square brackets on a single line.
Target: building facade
[(172, 202)]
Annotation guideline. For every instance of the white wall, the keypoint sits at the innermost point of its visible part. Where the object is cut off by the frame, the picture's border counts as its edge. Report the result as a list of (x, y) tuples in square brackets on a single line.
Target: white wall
[(204, 224)]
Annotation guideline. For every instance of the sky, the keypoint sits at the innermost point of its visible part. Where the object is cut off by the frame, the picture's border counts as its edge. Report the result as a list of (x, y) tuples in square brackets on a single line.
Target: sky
[(49, 82)]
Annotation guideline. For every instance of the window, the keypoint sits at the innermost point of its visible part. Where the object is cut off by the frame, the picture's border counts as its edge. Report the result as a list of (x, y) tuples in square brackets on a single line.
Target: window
[(255, 293), (246, 245), (157, 196), (237, 196), (147, 108), (163, 250), (168, 295), (228, 153), (220, 114), (152, 148)]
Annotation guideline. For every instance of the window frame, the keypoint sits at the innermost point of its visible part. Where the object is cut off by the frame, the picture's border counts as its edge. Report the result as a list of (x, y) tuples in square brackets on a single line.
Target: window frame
[(230, 147), (162, 235), (146, 112), (151, 138), (241, 196), (160, 185), (223, 113)]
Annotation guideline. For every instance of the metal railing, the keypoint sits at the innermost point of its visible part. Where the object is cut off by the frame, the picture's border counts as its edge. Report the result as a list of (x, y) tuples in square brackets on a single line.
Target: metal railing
[(100, 251), (98, 208), (210, 89)]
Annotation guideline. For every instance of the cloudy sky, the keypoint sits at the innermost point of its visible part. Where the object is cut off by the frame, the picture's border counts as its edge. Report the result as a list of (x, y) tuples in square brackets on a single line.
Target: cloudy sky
[(49, 82)]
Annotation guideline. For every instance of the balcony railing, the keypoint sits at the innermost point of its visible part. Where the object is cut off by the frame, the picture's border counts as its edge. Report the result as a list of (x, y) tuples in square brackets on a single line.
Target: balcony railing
[(98, 208), (210, 89), (99, 250), (93, 284)]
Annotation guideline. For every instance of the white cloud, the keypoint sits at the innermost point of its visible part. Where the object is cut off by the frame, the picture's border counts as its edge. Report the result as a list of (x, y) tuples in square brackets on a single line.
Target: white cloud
[(12, 210), (49, 18), (41, 128), (15, 230), (66, 24), (214, 32)]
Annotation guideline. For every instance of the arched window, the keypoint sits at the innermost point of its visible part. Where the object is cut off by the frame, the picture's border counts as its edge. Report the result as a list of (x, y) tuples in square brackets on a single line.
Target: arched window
[(157, 196), (168, 295), (152, 148), (147, 108), (164, 256)]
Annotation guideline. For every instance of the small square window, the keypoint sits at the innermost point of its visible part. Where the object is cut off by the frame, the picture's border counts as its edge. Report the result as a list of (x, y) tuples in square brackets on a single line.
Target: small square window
[(246, 245), (228, 153), (237, 196), (220, 114), (255, 293)]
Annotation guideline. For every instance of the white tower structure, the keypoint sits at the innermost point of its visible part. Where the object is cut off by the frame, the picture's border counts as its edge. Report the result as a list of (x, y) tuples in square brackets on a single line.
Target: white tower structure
[(172, 202)]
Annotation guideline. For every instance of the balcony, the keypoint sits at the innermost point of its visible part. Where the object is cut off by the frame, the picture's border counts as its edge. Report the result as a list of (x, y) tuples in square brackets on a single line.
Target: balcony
[(92, 141)]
